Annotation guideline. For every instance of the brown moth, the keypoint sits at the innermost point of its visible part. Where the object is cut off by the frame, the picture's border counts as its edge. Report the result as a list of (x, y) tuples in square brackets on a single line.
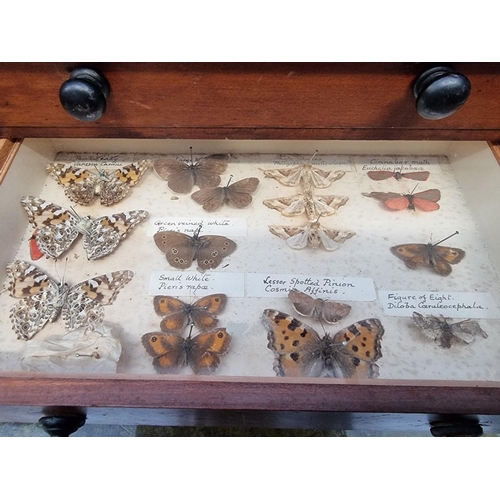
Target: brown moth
[(318, 309)]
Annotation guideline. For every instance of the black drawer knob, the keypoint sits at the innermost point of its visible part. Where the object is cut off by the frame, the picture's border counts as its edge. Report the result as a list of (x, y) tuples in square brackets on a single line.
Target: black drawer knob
[(440, 92), (84, 95)]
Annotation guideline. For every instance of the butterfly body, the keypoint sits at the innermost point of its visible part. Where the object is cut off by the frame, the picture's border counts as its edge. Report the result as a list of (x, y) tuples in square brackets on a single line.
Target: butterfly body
[(379, 175), (43, 300), (178, 314), (304, 175), (238, 194), (438, 258), (443, 332), (56, 228), (312, 235), (172, 352), (299, 351), (181, 249), (316, 308), (81, 185), (181, 176), (424, 200)]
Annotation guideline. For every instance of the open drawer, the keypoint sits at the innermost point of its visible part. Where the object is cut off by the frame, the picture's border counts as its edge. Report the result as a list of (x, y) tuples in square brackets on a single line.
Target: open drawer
[(421, 370)]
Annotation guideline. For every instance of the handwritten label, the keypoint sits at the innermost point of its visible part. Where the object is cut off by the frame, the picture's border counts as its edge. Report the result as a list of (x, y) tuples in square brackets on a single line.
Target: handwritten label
[(398, 164), (325, 287), (196, 284), (450, 304), (100, 160), (281, 160), (223, 226)]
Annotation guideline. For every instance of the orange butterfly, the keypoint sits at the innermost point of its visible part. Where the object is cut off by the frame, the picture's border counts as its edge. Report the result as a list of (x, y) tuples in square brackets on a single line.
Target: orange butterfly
[(380, 175), (300, 352), (439, 258), (425, 200), (178, 314), (202, 353)]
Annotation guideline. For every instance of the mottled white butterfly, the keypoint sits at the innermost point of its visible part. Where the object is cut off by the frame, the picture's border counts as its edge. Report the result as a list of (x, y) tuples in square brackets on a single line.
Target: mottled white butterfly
[(442, 331), (43, 300), (56, 228), (311, 235)]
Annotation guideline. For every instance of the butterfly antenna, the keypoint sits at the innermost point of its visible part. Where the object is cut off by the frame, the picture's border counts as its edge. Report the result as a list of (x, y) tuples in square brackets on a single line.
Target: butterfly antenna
[(315, 153), (198, 230), (191, 329), (230, 177), (413, 190), (191, 153), (447, 238)]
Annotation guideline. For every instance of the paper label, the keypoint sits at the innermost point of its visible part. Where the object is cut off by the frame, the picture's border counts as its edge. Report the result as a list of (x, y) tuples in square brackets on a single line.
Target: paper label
[(325, 287), (194, 283), (449, 304), (222, 226), (397, 164), (99, 160)]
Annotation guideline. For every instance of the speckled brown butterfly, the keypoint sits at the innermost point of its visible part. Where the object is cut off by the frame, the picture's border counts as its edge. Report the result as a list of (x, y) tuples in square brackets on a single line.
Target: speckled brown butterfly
[(238, 194), (177, 314), (380, 175), (181, 249), (442, 331), (424, 200), (438, 258), (202, 353), (304, 175), (181, 176), (318, 309), (300, 352), (311, 235)]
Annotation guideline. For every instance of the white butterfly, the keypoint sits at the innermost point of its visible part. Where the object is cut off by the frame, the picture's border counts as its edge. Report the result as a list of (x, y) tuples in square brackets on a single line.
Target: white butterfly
[(304, 175), (42, 299), (313, 206), (311, 235), (57, 228)]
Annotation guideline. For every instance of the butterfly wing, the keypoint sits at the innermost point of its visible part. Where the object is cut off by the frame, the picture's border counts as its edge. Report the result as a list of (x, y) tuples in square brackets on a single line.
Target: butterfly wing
[(84, 301), (380, 175), (105, 233), (393, 201), (179, 248), (212, 249), (318, 309), (421, 175), (304, 304), (467, 330), (175, 312), (167, 349), (295, 237), (321, 179), (426, 200), (288, 206), (413, 254), (56, 227), (208, 168), (211, 198), (207, 349), (79, 184), (204, 311), (326, 205), (294, 344), (35, 252), (432, 327), (285, 176), (361, 349), (441, 258), (330, 238), (239, 194), (39, 298)]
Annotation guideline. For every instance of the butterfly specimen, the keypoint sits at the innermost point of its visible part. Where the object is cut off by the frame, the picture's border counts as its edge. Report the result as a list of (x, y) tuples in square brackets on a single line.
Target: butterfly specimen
[(181, 176), (82, 185), (304, 175), (177, 314), (43, 300), (181, 249), (238, 194), (318, 309), (431, 255), (56, 229), (380, 175), (300, 352), (442, 332), (312, 235), (425, 200), (313, 206), (202, 353)]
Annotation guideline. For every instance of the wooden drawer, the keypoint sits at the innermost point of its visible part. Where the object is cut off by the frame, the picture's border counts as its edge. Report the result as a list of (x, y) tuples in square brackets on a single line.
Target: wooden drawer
[(249, 101)]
